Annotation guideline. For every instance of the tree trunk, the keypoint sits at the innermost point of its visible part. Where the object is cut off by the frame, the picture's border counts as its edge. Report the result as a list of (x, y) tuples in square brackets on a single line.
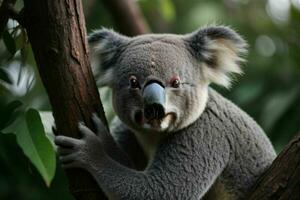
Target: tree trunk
[(56, 30), (282, 179), (127, 16)]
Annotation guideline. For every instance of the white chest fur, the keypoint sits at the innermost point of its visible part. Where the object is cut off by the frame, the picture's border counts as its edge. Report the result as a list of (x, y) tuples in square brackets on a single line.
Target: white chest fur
[(149, 143)]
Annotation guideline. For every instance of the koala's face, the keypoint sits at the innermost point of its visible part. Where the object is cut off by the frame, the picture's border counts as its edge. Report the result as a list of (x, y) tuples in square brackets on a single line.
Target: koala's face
[(160, 81), (162, 70)]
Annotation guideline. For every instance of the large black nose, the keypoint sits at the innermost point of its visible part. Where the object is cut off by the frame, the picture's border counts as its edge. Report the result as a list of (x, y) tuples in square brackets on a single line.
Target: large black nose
[(154, 101)]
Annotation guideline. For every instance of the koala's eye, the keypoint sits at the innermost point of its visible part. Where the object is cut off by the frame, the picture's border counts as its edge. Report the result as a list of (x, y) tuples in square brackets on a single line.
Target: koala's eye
[(175, 82), (134, 82)]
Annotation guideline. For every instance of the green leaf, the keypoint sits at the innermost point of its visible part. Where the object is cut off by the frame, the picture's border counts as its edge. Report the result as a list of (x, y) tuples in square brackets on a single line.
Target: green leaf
[(35, 144), (9, 113), (48, 123), (40, 150), (9, 42), (20, 39), (4, 76)]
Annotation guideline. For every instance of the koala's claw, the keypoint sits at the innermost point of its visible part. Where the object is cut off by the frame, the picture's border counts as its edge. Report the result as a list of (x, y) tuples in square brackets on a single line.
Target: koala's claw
[(69, 166), (85, 131), (68, 158), (54, 130), (66, 141), (64, 151), (101, 129)]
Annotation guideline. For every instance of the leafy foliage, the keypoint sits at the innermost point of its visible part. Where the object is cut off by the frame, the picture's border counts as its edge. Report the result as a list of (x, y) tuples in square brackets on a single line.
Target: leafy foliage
[(9, 42), (32, 139), (37, 146), (9, 113)]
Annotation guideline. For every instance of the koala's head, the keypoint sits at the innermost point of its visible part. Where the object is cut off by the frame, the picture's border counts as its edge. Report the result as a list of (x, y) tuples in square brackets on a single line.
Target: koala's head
[(160, 81)]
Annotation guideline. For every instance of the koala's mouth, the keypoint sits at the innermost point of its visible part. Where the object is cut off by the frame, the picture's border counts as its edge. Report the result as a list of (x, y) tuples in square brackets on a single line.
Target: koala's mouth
[(139, 117), (161, 124)]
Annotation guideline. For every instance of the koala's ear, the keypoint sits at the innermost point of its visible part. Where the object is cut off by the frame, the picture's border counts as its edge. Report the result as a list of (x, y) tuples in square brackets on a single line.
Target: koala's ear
[(105, 46), (219, 49)]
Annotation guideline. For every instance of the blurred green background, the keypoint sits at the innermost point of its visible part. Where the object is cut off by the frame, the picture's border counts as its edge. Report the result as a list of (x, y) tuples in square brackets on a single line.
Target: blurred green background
[(269, 90)]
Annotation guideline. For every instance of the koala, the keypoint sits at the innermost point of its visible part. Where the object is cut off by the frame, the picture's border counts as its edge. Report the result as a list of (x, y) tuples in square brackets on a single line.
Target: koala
[(180, 138)]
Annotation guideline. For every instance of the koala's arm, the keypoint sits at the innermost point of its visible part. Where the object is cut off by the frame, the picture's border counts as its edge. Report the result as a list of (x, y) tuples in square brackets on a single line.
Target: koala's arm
[(184, 167), (112, 147)]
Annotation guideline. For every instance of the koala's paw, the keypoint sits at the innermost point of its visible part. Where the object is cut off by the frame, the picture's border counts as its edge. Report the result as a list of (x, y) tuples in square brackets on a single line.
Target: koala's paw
[(86, 153)]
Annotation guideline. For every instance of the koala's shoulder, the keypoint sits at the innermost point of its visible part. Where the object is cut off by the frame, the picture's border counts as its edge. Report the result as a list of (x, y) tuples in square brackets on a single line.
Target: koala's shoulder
[(244, 134), (226, 117)]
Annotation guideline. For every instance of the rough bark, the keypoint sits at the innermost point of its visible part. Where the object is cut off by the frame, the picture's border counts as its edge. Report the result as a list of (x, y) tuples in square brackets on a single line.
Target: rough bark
[(56, 30), (282, 179), (127, 16)]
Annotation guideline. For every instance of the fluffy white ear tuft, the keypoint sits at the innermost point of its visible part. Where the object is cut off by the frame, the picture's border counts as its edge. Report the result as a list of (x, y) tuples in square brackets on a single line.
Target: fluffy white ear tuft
[(105, 45), (219, 49)]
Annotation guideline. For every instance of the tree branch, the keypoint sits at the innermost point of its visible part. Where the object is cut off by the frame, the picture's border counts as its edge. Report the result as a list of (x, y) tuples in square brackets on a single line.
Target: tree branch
[(127, 16), (282, 179)]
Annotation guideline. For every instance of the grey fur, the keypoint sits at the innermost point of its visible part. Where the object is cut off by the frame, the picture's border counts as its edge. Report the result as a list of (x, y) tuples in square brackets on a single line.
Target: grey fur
[(223, 149), (210, 149), (106, 51)]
